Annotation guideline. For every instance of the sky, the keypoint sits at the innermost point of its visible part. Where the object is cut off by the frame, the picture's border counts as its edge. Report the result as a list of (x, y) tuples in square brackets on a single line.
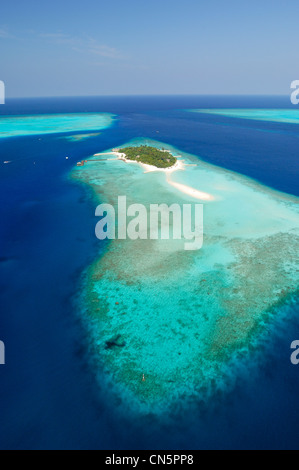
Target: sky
[(124, 47)]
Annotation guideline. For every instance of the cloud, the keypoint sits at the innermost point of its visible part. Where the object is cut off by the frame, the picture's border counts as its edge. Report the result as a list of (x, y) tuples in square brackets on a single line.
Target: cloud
[(55, 36), (83, 45), (104, 51), (61, 39), (5, 34)]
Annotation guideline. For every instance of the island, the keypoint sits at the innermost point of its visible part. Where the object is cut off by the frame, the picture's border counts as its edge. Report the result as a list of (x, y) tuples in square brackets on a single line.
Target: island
[(172, 328), (153, 159), (149, 156)]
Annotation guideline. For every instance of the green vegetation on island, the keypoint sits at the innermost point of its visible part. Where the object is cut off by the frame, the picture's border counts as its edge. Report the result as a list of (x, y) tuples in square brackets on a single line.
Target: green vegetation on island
[(150, 156)]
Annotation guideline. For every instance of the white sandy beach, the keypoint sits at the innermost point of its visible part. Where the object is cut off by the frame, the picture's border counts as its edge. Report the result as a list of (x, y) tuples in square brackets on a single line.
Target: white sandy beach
[(195, 193), (178, 166)]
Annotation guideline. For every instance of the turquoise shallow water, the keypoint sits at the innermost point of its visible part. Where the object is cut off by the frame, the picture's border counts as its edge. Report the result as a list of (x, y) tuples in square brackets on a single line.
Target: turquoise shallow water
[(81, 137), (290, 116), (179, 317), (15, 126), (53, 392)]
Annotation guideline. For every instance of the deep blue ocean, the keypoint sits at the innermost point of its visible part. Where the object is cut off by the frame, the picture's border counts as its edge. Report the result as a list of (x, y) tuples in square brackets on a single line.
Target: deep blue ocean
[(49, 398)]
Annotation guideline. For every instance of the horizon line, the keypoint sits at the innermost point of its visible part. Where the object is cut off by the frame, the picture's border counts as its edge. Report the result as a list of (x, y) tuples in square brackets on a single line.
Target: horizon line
[(150, 95)]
